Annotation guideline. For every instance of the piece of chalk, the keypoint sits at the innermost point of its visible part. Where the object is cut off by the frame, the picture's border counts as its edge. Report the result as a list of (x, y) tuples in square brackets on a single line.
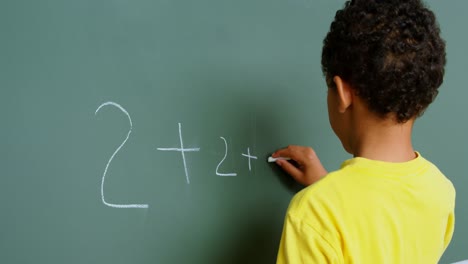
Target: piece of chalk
[(271, 159)]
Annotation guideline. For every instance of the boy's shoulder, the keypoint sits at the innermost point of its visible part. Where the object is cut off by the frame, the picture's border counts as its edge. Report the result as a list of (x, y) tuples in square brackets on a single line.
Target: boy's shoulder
[(361, 181)]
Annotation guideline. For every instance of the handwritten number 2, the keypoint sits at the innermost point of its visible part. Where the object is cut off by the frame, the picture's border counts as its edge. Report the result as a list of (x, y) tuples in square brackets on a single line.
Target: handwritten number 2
[(112, 157), (221, 162)]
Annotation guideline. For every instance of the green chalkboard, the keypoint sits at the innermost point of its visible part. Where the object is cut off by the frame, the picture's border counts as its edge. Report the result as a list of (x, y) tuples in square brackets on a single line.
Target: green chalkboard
[(137, 131)]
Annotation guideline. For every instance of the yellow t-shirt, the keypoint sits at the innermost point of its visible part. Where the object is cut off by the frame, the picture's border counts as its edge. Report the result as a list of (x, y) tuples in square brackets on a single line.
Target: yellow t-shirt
[(371, 212)]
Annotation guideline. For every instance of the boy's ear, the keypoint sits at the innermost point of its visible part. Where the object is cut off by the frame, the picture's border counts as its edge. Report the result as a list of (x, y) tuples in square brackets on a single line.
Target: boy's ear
[(345, 94)]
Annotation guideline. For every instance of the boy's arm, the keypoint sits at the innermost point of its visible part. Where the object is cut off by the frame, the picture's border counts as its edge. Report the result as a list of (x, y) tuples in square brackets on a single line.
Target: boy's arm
[(300, 243), (308, 168)]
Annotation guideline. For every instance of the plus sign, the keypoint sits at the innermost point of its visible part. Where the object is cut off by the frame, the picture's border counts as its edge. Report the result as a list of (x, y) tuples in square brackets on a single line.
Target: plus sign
[(249, 157), (182, 150)]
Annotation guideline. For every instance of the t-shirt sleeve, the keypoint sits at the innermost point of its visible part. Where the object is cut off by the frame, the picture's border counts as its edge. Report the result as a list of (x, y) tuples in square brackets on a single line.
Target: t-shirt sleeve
[(301, 243)]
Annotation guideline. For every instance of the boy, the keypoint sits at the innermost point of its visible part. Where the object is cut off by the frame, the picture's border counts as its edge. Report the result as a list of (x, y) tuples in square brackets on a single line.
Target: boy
[(383, 61)]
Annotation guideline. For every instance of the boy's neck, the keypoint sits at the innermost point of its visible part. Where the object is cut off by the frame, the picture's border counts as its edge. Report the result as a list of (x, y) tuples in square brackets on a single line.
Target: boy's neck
[(384, 140)]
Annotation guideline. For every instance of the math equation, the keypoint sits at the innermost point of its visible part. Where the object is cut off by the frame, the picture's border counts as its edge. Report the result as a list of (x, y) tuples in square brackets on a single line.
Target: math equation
[(183, 151)]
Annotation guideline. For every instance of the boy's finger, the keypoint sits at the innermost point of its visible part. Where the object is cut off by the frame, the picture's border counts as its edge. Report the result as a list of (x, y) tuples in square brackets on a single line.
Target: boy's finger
[(290, 169), (293, 152), (285, 152)]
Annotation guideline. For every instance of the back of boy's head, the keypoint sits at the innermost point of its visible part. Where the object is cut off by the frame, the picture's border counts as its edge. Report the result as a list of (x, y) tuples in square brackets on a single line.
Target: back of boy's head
[(390, 52)]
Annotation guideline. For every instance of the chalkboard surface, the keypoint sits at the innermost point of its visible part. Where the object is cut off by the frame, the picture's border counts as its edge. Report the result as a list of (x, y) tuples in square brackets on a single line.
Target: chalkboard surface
[(137, 131)]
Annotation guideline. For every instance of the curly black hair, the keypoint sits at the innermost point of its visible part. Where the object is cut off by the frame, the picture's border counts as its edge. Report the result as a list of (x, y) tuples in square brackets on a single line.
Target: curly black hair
[(390, 52)]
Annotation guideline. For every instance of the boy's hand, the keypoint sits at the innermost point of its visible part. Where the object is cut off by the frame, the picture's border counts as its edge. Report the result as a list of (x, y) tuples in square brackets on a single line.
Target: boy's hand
[(309, 169)]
